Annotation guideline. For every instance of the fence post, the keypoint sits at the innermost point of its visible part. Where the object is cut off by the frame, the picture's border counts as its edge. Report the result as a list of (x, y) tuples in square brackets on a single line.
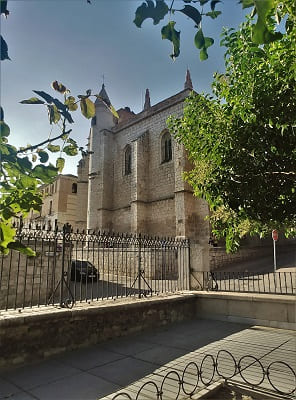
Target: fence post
[(66, 229), (63, 267), (139, 267)]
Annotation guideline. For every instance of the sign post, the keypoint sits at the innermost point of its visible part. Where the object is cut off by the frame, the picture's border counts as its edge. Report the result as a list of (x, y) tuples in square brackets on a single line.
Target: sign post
[(275, 237)]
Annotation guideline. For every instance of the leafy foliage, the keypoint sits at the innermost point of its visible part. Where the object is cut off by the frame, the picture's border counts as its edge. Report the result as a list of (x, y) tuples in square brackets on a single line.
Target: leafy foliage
[(24, 170), (242, 143), (263, 30)]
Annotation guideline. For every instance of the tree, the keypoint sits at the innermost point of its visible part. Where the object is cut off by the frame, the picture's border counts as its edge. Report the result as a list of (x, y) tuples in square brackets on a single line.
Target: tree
[(263, 30), (24, 170), (242, 142)]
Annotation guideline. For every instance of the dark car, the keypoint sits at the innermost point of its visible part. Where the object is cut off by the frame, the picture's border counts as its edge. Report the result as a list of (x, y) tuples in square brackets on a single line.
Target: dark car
[(83, 271)]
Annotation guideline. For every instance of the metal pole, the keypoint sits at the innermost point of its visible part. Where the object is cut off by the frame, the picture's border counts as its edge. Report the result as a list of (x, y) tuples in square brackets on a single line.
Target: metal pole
[(274, 256), (139, 267), (63, 266)]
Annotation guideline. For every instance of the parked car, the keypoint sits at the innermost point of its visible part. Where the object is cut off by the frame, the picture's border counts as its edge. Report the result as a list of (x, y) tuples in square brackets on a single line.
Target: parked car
[(83, 271)]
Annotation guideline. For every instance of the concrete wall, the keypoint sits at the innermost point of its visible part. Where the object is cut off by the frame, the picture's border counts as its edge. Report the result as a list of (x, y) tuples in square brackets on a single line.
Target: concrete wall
[(278, 311)]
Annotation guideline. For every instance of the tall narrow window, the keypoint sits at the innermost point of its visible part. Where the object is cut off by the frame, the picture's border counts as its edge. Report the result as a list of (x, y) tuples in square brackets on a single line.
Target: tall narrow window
[(128, 160), (166, 147), (74, 188)]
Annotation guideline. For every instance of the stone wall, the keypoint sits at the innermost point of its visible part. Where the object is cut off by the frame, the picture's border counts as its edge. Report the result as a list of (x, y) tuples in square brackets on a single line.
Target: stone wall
[(27, 338), (156, 263), (219, 258), (28, 281)]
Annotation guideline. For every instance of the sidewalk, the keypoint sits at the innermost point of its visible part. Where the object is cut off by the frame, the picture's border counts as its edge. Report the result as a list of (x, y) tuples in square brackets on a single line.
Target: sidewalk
[(100, 371)]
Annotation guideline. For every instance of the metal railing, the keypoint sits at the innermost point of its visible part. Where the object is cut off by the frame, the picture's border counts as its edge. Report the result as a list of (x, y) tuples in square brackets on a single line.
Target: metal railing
[(72, 267), (276, 377), (247, 282)]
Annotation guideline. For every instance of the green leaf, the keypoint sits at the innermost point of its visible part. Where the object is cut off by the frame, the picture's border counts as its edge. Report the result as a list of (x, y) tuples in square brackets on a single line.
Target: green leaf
[(4, 129), (202, 2), (7, 234), (7, 213), (247, 3), (261, 33), (44, 95), (87, 107), (213, 4), (24, 163), (199, 39), (208, 42), (60, 163), (203, 55), (1, 114), (213, 14), (21, 248), (114, 112), (53, 114), (43, 156), (32, 100), (70, 150), (4, 8), (170, 33), (53, 148), (192, 13), (71, 103), (4, 50), (44, 173), (150, 10), (59, 87)]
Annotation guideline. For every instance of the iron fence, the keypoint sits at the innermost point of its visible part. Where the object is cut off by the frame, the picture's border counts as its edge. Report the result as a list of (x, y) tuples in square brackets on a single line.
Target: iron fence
[(71, 267), (248, 372), (247, 282)]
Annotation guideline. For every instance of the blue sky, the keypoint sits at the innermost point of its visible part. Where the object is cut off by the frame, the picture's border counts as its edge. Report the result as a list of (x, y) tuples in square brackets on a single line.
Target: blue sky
[(77, 43)]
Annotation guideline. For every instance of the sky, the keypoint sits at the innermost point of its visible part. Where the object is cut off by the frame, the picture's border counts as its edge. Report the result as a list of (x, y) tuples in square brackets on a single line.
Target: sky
[(82, 45)]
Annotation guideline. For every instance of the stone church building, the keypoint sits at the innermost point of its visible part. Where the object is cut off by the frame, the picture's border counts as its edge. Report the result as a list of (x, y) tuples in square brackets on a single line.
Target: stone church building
[(131, 180)]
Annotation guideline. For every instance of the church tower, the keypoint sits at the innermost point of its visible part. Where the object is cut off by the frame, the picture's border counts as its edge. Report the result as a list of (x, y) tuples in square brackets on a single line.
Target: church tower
[(100, 190)]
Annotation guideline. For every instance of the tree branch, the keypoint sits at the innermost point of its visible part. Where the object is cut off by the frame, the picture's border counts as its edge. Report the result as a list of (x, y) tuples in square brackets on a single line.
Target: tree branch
[(45, 142)]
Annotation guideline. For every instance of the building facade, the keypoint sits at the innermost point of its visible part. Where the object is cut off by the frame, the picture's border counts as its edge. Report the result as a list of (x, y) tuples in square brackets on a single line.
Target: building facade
[(59, 204), (132, 178)]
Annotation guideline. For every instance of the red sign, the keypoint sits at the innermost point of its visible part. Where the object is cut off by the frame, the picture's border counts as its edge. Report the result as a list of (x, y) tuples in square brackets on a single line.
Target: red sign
[(275, 235)]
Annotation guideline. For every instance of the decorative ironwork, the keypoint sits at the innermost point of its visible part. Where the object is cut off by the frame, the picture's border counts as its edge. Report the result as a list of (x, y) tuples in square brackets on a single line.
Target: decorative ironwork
[(217, 373), (84, 266), (247, 282)]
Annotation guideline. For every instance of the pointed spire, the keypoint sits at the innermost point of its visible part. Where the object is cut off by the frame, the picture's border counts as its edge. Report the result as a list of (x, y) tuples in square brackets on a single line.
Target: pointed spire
[(188, 81), (147, 103), (104, 96)]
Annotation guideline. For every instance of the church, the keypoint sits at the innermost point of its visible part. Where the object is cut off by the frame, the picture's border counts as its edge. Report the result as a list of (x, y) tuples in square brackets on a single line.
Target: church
[(131, 179)]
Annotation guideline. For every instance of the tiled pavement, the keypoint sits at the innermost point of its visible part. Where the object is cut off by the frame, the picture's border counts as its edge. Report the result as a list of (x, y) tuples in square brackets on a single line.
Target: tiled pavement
[(100, 371)]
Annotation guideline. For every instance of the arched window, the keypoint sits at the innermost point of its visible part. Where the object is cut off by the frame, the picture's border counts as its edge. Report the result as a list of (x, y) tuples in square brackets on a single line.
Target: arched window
[(128, 160), (74, 188), (166, 147)]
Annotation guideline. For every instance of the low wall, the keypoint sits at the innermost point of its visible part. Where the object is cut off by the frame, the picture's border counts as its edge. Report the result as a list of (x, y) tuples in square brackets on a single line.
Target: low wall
[(278, 311), (36, 334), (33, 335), (219, 258), (28, 281)]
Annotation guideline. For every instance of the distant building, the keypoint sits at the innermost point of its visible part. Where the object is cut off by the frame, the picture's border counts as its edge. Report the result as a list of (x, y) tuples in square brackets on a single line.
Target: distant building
[(59, 204)]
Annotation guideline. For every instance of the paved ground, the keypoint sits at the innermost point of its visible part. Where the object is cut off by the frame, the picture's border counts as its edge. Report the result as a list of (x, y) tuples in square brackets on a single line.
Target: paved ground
[(100, 371)]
